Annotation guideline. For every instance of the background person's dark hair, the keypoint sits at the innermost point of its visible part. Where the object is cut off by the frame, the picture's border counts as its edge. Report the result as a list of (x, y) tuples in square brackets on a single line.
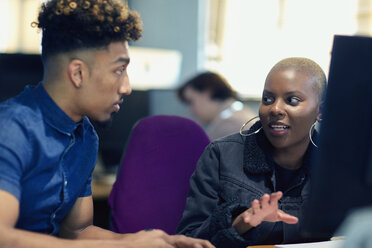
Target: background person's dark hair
[(69, 25), (217, 85)]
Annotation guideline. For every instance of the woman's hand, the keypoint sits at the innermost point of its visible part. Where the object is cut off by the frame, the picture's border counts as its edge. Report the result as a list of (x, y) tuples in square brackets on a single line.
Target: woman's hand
[(265, 209)]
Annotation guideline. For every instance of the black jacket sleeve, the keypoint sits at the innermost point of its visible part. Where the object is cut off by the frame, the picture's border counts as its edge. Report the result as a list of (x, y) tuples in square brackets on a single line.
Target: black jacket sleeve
[(207, 215)]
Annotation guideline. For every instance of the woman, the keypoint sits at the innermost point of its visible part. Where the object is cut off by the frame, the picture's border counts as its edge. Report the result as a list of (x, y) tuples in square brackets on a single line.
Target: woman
[(215, 104), (249, 188)]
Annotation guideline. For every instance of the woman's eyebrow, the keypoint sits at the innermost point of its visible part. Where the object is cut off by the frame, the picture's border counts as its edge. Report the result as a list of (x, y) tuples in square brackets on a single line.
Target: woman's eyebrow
[(267, 92), (295, 92)]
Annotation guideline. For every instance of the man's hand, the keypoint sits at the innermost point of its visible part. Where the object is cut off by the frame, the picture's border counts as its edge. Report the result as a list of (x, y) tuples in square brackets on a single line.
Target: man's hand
[(265, 209), (159, 239)]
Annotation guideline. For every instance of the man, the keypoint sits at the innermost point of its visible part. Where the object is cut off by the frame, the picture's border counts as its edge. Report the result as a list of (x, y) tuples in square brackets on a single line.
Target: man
[(48, 147)]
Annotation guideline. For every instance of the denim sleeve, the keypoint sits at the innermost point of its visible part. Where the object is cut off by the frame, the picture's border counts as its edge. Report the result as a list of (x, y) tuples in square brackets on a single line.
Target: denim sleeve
[(87, 191), (10, 172), (224, 235), (205, 216), (203, 196), (15, 153)]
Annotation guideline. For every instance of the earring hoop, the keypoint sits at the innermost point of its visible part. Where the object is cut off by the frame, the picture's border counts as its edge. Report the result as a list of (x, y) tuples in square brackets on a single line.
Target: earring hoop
[(245, 124), (312, 128)]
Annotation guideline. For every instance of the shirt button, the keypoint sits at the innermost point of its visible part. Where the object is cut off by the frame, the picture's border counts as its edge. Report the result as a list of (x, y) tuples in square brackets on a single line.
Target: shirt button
[(53, 216), (66, 183)]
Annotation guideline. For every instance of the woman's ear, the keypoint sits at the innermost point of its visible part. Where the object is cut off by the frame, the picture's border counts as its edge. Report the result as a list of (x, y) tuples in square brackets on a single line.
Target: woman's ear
[(319, 116), (320, 110), (75, 72)]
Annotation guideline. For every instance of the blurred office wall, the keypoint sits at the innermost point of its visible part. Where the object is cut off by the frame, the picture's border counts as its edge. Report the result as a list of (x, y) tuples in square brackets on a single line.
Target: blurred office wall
[(177, 25)]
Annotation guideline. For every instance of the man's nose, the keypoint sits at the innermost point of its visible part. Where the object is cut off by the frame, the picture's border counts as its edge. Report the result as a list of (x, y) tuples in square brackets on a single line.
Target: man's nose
[(125, 88)]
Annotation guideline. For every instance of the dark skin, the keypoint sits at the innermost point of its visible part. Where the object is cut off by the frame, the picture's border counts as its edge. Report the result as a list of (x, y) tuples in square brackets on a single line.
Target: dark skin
[(290, 105)]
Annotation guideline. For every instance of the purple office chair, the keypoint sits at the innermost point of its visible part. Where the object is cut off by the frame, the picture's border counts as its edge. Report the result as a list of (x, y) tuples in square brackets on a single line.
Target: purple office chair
[(151, 188)]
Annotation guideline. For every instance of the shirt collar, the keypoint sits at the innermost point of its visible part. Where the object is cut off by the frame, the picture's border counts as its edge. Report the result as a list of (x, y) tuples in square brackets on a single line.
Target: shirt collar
[(53, 114)]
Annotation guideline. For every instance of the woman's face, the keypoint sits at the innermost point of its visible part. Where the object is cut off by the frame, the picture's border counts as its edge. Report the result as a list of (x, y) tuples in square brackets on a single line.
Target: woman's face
[(201, 105), (289, 106)]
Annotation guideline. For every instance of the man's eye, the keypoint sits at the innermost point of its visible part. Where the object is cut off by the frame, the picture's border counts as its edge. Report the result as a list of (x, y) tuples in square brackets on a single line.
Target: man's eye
[(120, 70), (267, 100)]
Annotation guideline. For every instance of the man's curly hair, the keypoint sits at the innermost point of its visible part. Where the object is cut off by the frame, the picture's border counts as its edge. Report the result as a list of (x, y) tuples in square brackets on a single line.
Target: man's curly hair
[(69, 25)]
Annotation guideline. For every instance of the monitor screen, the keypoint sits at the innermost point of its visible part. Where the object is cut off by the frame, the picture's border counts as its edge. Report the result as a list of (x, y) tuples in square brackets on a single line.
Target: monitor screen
[(18, 70), (341, 174), (113, 138)]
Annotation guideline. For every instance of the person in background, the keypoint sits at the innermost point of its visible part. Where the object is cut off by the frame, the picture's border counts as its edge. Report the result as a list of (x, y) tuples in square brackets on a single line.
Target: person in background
[(250, 188), (215, 104), (48, 147)]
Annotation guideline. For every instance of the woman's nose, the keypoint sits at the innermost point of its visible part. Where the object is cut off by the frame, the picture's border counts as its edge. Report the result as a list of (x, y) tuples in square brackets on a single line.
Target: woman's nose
[(277, 108)]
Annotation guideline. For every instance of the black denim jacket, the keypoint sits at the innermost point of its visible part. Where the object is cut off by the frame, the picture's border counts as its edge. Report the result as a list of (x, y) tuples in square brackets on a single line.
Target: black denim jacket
[(231, 173)]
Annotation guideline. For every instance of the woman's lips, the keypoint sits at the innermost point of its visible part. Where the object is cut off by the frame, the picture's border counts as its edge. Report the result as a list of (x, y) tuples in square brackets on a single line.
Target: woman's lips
[(278, 129)]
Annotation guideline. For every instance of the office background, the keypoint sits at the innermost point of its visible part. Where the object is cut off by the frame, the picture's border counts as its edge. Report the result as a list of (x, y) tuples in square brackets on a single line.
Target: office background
[(240, 39)]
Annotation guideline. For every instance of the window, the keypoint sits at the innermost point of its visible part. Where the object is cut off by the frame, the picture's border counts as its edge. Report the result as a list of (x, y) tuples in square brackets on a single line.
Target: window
[(257, 34), (15, 24)]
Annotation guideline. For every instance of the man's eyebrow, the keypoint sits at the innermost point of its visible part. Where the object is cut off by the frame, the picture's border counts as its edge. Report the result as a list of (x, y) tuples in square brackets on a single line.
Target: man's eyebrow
[(122, 60)]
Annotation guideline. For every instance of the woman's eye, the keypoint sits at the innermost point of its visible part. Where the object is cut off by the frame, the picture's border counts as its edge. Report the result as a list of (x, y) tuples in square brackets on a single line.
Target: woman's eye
[(294, 100), (267, 100)]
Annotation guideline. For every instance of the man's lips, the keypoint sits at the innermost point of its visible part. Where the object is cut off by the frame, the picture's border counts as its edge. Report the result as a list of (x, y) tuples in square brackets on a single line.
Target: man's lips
[(117, 105)]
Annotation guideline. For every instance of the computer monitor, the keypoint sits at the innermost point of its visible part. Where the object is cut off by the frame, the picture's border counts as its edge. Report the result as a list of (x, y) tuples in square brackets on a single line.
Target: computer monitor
[(341, 175), (113, 138), (16, 71)]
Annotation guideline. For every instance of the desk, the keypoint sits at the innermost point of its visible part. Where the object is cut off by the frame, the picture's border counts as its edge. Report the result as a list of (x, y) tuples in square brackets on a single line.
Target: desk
[(335, 242), (100, 192), (101, 189), (262, 246)]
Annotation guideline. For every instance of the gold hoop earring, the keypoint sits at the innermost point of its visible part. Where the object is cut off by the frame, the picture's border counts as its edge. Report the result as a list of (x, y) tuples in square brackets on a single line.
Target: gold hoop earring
[(245, 124), (311, 133)]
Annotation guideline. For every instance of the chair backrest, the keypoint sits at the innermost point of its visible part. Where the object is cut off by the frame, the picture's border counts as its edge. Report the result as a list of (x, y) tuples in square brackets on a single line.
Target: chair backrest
[(153, 182)]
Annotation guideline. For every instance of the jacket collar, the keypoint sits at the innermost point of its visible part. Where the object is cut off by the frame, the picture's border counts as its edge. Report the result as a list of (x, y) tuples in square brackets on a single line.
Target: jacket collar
[(255, 160), (257, 152)]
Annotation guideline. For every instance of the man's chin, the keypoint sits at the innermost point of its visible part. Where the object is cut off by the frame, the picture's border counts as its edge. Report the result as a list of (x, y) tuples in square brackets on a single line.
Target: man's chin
[(104, 123)]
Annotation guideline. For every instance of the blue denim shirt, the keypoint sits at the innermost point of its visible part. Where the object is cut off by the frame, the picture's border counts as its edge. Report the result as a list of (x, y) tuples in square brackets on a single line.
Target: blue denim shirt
[(46, 159)]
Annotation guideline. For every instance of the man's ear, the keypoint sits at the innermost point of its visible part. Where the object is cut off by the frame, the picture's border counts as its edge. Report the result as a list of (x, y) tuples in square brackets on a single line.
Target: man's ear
[(75, 72)]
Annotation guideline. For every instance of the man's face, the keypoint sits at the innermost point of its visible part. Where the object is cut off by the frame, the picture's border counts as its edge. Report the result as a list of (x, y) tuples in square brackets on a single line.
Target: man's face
[(106, 83)]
